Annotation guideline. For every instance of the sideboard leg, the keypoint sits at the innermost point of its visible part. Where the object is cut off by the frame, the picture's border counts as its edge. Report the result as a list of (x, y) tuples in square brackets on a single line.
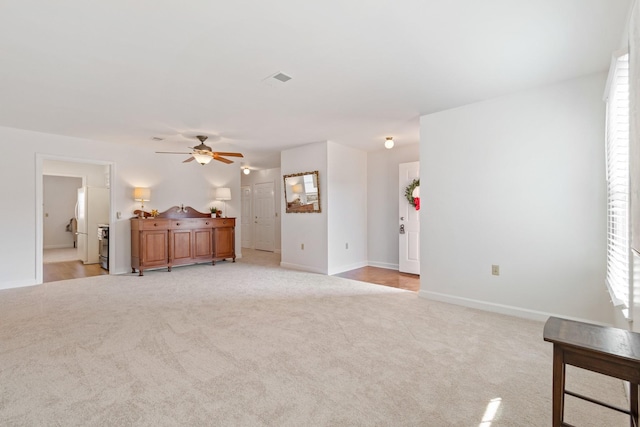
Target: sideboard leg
[(634, 403), (140, 273)]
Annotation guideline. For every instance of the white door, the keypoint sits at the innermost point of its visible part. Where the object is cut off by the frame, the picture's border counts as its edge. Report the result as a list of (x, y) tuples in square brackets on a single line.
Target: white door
[(409, 222), (264, 214), (246, 224)]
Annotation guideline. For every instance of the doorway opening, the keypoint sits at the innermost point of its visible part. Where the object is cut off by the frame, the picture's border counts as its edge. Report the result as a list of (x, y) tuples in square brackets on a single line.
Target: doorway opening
[(73, 205)]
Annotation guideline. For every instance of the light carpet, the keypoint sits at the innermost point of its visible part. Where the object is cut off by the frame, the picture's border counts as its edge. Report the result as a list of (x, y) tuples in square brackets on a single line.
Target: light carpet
[(237, 344)]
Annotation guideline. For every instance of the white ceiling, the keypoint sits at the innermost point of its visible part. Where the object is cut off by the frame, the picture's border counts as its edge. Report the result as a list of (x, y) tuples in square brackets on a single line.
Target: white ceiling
[(123, 71)]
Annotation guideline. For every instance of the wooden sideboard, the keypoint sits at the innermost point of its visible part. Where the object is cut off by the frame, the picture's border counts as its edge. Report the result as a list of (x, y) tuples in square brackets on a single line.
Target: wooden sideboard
[(180, 236)]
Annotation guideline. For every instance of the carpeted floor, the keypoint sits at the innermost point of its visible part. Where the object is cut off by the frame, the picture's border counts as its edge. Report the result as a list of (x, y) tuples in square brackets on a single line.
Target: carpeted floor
[(256, 345)]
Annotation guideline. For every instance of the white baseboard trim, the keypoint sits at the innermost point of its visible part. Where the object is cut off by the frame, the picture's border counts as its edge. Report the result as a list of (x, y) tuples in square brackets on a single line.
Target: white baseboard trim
[(18, 284), (349, 267), (509, 310), (301, 267), (67, 246), (386, 265)]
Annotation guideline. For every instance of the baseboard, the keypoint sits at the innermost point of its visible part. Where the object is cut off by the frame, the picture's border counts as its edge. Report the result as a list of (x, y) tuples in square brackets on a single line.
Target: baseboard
[(509, 310), (17, 284), (67, 246), (301, 267), (344, 268), (386, 265)]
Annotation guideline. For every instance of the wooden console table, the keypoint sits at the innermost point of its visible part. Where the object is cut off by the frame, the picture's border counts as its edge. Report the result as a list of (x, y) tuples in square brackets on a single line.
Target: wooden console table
[(180, 236), (608, 351)]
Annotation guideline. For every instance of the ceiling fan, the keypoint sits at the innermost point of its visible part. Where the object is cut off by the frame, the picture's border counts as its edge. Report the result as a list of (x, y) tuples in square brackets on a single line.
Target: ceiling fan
[(202, 153)]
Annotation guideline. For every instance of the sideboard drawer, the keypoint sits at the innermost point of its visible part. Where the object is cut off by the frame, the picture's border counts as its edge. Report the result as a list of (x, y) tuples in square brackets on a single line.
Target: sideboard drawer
[(191, 223), (224, 222), (154, 224)]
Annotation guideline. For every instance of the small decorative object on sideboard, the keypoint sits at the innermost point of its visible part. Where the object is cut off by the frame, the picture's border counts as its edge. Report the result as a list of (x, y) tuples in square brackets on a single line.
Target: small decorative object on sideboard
[(215, 212)]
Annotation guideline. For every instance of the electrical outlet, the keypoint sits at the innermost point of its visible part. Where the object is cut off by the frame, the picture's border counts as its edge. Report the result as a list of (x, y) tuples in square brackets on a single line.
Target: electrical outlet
[(302, 246), (495, 270)]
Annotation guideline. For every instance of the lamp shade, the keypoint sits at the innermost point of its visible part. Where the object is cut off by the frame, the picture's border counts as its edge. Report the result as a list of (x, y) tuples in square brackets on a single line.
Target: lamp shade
[(223, 193), (203, 159), (297, 188), (142, 194)]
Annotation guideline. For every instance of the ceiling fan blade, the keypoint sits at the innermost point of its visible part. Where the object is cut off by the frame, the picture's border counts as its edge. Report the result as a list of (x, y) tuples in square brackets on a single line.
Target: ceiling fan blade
[(171, 152), (222, 159), (190, 159), (228, 154)]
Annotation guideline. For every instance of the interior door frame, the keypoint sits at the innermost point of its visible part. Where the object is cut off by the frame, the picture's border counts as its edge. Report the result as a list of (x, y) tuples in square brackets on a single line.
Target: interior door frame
[(39, 200)]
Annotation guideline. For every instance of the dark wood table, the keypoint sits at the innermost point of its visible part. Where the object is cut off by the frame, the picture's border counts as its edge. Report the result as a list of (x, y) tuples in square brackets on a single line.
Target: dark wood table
[(608, 351)]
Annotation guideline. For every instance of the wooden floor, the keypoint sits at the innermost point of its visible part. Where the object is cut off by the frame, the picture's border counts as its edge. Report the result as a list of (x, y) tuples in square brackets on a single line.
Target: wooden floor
[(52, 272), (385, 277)]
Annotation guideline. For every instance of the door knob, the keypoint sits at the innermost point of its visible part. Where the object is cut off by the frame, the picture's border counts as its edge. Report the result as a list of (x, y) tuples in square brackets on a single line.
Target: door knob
[(401, 228)]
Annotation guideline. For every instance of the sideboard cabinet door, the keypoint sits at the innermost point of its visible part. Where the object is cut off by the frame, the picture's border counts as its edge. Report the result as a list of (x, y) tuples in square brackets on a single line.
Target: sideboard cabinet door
[(154, 248), (224, 242)]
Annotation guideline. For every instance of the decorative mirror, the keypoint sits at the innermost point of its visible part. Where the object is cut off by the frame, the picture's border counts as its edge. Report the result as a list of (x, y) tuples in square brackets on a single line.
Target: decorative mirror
[(302, 192)]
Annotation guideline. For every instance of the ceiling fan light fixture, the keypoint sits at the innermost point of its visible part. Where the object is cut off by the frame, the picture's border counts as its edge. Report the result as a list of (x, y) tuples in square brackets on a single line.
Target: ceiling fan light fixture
[(203, 159), (388, 144)]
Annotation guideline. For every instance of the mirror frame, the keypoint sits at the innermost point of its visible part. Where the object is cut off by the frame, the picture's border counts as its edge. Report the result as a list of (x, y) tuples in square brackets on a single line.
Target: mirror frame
[(286, 203)]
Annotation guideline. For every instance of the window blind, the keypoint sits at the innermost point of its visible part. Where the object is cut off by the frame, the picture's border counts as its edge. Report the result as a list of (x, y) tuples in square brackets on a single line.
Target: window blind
[(617, 157)]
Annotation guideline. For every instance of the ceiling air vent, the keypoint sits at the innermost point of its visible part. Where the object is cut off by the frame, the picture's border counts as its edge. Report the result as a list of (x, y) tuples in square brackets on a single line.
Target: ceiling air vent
[(277, 79), (282, 77)]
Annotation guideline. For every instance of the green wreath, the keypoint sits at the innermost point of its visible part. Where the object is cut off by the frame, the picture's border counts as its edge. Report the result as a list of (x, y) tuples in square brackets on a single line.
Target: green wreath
[(408, 192)]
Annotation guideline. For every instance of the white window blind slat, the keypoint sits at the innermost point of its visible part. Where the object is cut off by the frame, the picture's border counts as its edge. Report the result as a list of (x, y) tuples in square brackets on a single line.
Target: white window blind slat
[(617, 163)]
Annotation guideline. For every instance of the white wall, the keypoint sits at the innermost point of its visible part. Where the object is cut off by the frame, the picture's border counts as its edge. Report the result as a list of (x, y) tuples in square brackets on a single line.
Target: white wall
[(59, 201), (94, 175), (346, 198), (382, 203), (262, 176), (518, 181), (171, 182), (309, 229)]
